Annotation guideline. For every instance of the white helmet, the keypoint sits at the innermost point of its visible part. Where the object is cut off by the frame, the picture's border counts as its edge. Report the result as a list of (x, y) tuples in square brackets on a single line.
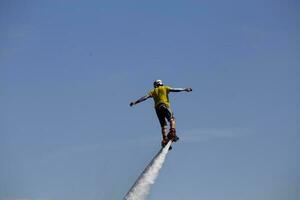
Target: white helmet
[(157, 83)]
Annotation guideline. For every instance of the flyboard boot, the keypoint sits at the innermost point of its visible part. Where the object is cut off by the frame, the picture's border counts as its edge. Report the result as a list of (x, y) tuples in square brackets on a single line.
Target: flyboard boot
[(172, 135), (165, 141)]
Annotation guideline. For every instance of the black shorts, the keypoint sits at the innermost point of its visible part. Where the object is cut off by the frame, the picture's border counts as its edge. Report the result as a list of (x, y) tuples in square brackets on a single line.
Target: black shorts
[(163, 113)]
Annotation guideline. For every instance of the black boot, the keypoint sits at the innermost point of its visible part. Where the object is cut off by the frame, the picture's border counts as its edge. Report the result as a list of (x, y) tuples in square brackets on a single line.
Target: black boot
[(164, 141), (172, 135)]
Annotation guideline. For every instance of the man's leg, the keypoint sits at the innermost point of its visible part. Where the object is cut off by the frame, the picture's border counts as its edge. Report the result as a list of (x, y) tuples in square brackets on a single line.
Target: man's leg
[(172, 133), (163, 124), (169, 115), (172, 124), (164, 135)]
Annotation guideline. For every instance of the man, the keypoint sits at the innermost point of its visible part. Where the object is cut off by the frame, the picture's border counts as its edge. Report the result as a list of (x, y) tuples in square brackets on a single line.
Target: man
[(160, 95)]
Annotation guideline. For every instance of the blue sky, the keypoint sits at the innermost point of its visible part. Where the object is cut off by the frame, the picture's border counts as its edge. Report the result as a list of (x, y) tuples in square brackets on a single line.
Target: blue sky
[(68, 70)]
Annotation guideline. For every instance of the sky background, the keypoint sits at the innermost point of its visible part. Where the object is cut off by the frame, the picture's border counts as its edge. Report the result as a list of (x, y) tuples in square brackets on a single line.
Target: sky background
[(69, 68)]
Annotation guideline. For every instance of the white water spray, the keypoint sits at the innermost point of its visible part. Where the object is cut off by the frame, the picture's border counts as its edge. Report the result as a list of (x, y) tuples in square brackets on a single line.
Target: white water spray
[(141, 187)]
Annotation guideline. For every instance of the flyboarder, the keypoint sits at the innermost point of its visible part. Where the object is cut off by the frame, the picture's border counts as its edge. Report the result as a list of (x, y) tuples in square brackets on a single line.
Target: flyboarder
[(160, 95)]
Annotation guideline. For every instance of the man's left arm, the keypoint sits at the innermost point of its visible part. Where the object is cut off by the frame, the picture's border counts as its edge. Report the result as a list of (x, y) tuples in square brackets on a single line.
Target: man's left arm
[(180, 89)]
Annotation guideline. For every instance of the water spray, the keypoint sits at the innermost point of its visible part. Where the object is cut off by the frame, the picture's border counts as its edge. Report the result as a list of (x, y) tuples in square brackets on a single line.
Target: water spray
[(142, 185)]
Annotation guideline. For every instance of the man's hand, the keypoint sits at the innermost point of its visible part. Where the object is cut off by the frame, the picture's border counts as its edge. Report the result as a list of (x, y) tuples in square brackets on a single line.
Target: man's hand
[(131, 104), (188, 89)]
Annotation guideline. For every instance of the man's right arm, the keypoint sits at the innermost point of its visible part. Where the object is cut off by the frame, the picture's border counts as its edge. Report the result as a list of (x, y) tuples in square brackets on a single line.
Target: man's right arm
[(140, 100)]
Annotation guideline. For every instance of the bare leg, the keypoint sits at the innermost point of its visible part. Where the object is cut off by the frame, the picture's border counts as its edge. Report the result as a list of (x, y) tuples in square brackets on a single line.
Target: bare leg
[(164, 136), (172, 124), (172, 134), (164, 132)]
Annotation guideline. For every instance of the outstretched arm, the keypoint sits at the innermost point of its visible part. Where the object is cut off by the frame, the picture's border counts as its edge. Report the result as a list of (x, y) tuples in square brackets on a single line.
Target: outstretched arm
[(140, 100), (180, 89)]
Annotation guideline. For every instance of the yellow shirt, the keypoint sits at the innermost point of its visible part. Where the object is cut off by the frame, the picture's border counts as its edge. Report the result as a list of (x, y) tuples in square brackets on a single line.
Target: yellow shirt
[(160, 95)]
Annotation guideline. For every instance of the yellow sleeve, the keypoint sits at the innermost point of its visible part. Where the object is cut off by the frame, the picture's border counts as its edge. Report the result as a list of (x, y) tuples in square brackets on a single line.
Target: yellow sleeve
[(150, 93), (168, 89)]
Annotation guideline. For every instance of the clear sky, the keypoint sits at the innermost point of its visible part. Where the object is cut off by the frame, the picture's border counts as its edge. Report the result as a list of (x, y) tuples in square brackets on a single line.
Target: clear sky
[(69, 68)]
